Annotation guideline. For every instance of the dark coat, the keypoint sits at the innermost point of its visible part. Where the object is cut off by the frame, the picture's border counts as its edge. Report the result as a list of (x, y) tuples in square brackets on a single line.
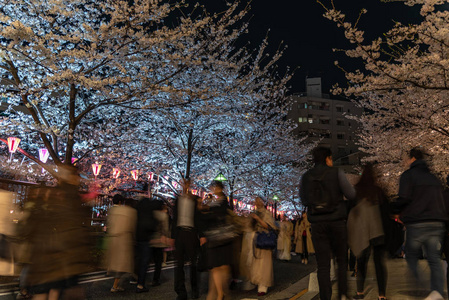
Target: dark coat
[(336, 182), (420, 196)]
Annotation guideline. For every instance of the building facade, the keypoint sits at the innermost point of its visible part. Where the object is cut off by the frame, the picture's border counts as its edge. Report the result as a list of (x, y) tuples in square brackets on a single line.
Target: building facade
[(321, 118)]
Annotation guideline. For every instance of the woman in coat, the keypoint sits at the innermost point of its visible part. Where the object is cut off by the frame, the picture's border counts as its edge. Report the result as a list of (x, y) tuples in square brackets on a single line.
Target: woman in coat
[(262, 265), (303, 239), (122, 220), (285, 239), (219, 257), (367, 227)]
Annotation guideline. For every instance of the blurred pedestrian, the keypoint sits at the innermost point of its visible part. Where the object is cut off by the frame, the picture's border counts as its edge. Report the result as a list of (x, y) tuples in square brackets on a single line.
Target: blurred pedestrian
[(424, 214), (58, 233), (146, 226), (220, 256), (121, 230), (303, 239), (262, 264), (285, 239), (322, 190), (186, 234), (367, 227), (159, 240)]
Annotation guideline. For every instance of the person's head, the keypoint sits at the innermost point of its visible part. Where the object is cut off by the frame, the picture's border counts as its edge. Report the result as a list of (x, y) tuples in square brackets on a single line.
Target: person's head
[(368, 177), (322, 156), (217, 187), (258, 202), (118, 199)]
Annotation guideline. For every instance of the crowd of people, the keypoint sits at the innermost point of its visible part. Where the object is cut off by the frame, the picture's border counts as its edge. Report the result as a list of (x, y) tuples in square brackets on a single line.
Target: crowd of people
[(340, 218), (361, 216)]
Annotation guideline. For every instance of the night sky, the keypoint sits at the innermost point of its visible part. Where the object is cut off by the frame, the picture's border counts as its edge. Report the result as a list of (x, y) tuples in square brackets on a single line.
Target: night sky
[(310, 37)]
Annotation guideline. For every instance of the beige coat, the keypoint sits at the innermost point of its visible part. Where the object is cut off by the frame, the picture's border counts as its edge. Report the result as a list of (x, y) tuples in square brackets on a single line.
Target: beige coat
[(299, 229), (285, 240), (120, 239), (262, 264)]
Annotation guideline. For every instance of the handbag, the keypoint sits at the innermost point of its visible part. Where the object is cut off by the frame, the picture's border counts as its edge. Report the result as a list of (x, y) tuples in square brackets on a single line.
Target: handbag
[(220, 235), (266, 240)]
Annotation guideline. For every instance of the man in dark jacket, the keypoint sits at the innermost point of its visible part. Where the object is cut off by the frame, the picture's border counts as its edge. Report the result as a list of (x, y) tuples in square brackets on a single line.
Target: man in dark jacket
[(423, 212), (322, 190)]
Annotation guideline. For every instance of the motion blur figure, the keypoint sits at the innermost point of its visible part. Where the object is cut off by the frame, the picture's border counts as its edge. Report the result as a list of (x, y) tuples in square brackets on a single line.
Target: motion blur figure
[(58, 233), (122, 220), (285, 239)]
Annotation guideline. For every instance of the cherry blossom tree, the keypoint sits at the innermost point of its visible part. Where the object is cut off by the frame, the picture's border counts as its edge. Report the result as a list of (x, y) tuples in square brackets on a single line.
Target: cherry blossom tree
[(81, 69), (403, 87)]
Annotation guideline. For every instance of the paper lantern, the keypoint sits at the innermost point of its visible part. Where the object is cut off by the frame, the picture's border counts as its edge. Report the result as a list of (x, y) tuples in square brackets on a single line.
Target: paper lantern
[(43, 155), (135, 174), (96, 169), (13, 144), (115, 173)]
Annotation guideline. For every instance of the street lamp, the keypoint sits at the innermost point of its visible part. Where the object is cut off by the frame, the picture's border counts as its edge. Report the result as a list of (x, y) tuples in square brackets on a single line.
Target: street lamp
[(275, 199), (96, 169), (13, 144), (220, 177)]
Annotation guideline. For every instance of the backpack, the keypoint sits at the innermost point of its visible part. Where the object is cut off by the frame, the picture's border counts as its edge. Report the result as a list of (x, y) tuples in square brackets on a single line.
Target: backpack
[(319, 196)]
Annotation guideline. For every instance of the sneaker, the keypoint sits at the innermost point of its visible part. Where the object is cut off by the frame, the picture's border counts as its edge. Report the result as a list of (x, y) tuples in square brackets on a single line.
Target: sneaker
[(142, 290), (434, 295), (117, 289)]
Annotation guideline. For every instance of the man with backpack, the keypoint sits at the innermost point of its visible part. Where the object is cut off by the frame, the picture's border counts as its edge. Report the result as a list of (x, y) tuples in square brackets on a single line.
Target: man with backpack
[(321, 191)]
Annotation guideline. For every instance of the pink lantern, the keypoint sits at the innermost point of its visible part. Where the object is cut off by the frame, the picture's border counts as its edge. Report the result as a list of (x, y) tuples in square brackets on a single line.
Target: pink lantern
[(194, 192), (115, 173), (150, 177), (174, 184), (96, 169), (43, 155), (240, 204), (235, 202), (74, 159), (135, 174), (13, 144)]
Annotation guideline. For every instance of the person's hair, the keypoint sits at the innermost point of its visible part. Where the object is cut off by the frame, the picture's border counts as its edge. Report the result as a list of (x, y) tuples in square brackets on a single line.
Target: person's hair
[(117, 199), (367, 186), (320, 154), (416, 153), (217, 184)]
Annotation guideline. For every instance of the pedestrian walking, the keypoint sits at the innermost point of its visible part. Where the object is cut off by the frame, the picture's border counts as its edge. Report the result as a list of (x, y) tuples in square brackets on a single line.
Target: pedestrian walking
[(285, 239), (262, 264), (303, 239), (146, 226), (121, 230), (186, 233), (159, 240), (321, 191), (367, 229), (423, 212), (219, 256)]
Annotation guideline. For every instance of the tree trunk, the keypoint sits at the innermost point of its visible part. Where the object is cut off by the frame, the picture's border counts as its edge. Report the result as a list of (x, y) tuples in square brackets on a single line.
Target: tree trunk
[(189, 153)]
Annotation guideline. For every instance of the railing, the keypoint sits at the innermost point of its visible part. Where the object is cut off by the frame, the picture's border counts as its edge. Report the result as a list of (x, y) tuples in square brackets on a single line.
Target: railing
[(19, 188)]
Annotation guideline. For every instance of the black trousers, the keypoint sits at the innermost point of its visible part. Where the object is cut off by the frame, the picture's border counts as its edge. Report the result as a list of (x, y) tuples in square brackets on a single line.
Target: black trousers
[(157, 258), (331, 238), (187, 245), (305, 253), (379, 264)]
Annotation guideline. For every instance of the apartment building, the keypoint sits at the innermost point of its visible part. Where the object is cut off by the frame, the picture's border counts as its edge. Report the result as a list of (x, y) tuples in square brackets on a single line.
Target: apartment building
[(320, 117)]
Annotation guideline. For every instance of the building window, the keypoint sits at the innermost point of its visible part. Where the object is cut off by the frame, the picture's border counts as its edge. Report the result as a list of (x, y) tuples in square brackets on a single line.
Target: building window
[(302, 105), (324, 106), (326, 134), (340, 136), (340, 123), (302, 119), (349, 110), (324, 121), (339, 108)]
